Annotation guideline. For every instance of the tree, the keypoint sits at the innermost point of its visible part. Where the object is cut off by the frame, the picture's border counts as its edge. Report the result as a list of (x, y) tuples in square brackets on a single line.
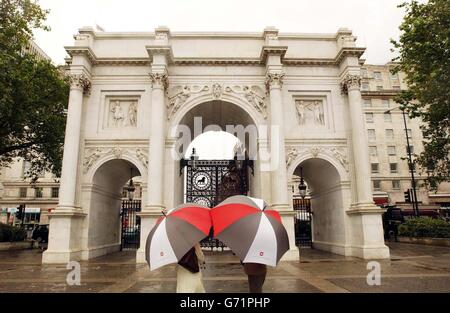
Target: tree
[(33, 93), (424, 57)]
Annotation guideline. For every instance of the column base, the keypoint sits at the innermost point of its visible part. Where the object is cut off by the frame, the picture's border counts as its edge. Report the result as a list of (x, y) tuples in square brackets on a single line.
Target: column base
[(370, 252), (367, 234), (60, 257), (140, 256)]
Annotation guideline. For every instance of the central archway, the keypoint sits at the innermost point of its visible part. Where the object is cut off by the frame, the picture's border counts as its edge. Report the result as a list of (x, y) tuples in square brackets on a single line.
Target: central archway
[(218, 115)]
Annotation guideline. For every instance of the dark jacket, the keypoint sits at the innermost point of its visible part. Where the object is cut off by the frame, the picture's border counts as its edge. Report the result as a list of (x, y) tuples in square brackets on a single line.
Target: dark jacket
[(190, 261)]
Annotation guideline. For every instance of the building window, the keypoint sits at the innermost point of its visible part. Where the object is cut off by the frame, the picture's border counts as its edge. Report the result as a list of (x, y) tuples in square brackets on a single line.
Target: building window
[(374, 167), (393, 167), (124, 193), (396, 87), (23, 192), (55, 192), (38, 192), (387, 117), (411, 149), (389, 134), (365, 86), (25, 168), (391, 150), (377, 75), (409, 133), (385, 103), (373, 150), (394, 75), (371, 134), (413, 166), (367, 103), (369, 117), (376, 185), (396, 184), (379, 88)]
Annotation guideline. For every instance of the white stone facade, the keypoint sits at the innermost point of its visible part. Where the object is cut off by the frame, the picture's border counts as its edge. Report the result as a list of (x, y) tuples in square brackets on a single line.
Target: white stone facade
[(130, 90)]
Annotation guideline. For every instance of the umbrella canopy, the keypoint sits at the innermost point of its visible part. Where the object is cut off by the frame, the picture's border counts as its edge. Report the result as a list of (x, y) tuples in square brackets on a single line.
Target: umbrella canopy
[(176, 233), (253, 232)]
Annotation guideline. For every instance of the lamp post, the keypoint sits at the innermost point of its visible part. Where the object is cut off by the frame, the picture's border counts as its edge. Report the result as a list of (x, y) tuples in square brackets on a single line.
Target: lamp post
[(194, 159), (302, 186), (131, 187), (410, 162)]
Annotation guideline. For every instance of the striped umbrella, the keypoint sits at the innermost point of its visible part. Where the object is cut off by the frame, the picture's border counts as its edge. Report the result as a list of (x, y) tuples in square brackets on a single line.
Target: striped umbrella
[(175, 233), (253, 232)]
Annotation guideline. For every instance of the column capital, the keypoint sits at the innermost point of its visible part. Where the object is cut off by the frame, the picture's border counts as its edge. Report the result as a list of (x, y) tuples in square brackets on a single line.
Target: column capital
[(80, 81), (274, 80), (159, 80), (350, 81)]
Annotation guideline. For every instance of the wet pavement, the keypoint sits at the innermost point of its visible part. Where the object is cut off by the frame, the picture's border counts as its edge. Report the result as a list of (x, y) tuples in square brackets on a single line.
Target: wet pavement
[(412, 268)]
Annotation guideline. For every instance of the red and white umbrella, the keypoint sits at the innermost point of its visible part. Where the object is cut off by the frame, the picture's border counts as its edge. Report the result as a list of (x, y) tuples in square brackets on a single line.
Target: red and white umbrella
[(252, 231), (176, 233)]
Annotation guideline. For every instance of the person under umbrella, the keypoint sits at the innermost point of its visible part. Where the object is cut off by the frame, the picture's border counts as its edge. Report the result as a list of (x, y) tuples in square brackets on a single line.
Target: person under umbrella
[(254, 233), (189, 275), (175, 238)]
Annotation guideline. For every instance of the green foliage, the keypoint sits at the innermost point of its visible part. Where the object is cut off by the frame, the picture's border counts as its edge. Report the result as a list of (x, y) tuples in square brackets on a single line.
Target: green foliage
[(425, 227), (33, 93), (424, 56), (11, 233)]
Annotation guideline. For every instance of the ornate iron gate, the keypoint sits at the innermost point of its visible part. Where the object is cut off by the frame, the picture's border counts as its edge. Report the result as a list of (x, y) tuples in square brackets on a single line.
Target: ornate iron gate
[(131, 224), (303, 234), (212, 181)]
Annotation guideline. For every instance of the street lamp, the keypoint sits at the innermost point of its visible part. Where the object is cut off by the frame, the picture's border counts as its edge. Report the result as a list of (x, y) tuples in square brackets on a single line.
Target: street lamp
[(131, 187), (302, 186), (194, 159), (410, 162)]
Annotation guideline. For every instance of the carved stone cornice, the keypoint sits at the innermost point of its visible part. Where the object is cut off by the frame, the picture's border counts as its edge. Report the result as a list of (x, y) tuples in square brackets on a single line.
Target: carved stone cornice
[(350, 81), (80, 81), (159, 80), (161, 49), (86, 51), (349, 51), (272, 50), (274, 80)]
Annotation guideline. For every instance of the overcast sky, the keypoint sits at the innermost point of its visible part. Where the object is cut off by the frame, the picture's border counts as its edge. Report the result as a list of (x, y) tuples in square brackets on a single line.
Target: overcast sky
[(374, 22)]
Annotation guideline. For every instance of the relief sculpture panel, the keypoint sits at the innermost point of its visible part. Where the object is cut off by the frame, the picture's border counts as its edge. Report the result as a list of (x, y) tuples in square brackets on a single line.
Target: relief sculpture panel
[(122, 113), (310, 112)]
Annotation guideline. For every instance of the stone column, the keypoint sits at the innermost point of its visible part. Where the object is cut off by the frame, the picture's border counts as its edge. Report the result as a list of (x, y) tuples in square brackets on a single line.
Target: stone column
[(79, 85), (66, 220), (278, 176), (157, 149), (366, 231), (155, 179), (351, 85)]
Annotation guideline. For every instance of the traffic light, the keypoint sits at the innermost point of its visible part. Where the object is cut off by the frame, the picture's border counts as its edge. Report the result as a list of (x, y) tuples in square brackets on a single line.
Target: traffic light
[(407, 194), (20, 212)]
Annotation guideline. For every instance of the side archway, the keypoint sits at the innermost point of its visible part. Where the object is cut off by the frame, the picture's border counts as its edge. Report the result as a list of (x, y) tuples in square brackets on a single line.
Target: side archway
[(329, 191), (102, 198)]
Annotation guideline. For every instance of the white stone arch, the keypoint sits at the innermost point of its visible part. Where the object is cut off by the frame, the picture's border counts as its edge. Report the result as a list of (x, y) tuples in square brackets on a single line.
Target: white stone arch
[(303, 156), (125, 155)]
